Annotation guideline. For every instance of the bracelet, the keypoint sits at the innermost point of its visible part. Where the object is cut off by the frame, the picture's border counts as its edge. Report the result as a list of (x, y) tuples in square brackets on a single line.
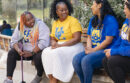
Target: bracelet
[(33, 53)]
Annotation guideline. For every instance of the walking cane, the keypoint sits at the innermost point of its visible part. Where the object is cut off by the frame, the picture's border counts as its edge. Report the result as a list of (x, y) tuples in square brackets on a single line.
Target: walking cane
[(22, 69), (21, 47)]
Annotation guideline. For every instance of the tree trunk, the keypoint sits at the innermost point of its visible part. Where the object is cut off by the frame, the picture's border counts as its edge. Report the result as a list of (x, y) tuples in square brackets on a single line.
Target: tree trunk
[(9, 11)]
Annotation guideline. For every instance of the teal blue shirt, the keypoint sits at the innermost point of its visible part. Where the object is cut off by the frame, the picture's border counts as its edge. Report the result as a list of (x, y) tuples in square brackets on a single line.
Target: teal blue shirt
[(122, 45), (109, 28)]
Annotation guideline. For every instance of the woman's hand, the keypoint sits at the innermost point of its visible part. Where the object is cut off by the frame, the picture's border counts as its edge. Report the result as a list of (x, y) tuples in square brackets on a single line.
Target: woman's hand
[(89, 50), (107, 52), (27, 54), (54, 45), (16, 47), (36, 49), (20, 52)]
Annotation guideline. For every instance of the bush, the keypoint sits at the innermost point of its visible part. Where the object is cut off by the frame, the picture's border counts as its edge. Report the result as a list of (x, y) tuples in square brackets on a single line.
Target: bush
[(82, 11)]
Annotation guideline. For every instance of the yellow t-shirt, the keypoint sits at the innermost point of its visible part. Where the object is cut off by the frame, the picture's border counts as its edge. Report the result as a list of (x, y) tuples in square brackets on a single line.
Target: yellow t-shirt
[(63, 31)]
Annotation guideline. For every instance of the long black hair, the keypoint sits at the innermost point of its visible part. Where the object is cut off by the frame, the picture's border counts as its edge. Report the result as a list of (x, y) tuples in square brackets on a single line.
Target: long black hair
[(105, 9), (127, 3), (53, 8)]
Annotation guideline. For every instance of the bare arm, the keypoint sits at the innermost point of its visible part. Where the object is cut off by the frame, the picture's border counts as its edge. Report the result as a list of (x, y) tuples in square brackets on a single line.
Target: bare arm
[(89, 42), (53, 43), (105, 43), (16, 47)]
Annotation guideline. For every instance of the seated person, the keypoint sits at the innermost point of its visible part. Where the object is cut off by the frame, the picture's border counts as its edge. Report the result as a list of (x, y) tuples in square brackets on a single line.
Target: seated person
[(65, 43), (117, 60), (34, 36), (6, 29), (102, 34)]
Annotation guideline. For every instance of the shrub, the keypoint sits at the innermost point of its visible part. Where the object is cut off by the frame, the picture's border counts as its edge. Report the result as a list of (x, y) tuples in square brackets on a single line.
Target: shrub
[(82, 11)]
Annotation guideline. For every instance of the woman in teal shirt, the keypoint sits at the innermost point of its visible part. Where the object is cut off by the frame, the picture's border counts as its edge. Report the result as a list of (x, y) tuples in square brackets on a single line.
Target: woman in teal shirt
[(117, 61), (102, 33)]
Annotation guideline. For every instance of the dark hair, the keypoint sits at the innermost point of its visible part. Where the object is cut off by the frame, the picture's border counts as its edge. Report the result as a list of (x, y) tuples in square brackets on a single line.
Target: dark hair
[(53, 8), (127, 3), (4, 22), (105, 9)]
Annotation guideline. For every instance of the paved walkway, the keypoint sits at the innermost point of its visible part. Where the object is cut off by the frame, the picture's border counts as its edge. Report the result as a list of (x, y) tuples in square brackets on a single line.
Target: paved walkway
[(27, 76), (29, 71), (17, 76)]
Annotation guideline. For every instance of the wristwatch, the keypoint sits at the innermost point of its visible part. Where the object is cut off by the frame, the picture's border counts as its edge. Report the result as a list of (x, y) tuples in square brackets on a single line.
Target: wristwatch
[(33, 53)]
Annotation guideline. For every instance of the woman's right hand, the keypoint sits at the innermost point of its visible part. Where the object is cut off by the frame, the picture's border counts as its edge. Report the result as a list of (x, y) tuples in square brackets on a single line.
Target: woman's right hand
[(53, 45), (20, 52), (108, 53), (16, 47)]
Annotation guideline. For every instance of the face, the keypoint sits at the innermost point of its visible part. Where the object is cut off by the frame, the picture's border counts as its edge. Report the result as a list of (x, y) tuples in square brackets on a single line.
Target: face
[(95, 8), (127, 12), (62, 11), (29, 21)]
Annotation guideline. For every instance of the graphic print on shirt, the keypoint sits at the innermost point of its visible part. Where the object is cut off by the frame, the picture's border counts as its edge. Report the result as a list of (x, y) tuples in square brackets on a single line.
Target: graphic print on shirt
[(27, 35), (95, 36), (124, 32), (59, 32)]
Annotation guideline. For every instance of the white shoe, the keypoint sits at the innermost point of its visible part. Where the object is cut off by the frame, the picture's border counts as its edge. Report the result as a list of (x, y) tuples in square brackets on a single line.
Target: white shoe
[(8, 81), (37, 79)]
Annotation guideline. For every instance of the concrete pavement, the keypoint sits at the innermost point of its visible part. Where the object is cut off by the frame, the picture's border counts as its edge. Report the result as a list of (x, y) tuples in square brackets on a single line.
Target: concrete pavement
[(30, 72)]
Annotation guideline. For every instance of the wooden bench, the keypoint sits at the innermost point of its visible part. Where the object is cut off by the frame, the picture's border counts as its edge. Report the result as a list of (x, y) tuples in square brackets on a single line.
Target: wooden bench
[(99, 74)]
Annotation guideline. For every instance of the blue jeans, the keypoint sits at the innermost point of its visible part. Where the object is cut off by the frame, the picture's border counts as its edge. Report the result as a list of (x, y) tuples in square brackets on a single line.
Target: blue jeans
[(84, 64)]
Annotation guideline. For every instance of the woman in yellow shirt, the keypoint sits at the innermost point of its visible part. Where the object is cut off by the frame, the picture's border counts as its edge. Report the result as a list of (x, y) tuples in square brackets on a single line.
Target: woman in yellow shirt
[(65, 43)]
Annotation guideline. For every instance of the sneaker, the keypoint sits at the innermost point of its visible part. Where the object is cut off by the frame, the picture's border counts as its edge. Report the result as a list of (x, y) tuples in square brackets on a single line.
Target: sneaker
[(37, 79), (8, 81)]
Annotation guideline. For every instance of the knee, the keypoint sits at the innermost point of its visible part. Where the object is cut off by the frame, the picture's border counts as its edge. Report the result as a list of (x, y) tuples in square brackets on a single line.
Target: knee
[(12, 53), (37, 58), (104, 61), (77, 60), (113, 61), (86, 65), (86, 62)]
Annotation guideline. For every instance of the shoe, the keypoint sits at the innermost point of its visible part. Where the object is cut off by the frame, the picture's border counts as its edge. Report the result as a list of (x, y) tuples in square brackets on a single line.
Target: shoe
[(37, 79), (8, 81)]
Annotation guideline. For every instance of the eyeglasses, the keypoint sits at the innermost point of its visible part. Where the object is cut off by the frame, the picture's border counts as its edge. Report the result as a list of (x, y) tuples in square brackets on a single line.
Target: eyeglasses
[(62, 10)]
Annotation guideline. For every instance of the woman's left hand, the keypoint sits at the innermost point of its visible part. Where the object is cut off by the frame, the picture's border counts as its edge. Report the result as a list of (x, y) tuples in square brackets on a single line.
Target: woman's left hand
[(107, 52), (36, 49), (27, 54), (56, 46), (89, 50)]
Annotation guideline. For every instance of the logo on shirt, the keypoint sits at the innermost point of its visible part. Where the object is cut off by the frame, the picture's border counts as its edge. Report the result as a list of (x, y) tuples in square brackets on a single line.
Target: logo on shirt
[(59, 32), (96, 36), (27, 35), (124, 32)]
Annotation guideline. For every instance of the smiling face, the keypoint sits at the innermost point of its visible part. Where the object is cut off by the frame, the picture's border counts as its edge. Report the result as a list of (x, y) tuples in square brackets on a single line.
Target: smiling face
[(126, 11), (29, 20), (62, 11), (95, 8)]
